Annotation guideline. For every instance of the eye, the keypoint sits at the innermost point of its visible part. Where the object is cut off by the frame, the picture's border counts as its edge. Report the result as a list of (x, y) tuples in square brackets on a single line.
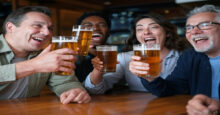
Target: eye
[(139, 29), (102, 25), (153, 26), (87, 25), (37, 25)]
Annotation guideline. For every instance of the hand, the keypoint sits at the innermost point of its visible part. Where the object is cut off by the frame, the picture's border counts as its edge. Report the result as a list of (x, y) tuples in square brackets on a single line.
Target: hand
[(97, 64), (75, 95), (137, 67), (53, 61), (202, 105)]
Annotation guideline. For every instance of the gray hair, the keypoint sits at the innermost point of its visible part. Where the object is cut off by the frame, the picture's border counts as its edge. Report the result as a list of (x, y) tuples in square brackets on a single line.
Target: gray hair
[(18, 16), (205, 8)]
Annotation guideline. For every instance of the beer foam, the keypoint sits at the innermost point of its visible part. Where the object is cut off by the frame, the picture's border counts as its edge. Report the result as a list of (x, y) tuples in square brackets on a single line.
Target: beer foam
[(144, 47), (63, 39), (106, 48), (56, 41)]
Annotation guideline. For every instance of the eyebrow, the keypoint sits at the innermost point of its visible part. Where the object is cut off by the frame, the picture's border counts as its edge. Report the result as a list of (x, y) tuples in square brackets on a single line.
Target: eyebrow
[(148, 24)]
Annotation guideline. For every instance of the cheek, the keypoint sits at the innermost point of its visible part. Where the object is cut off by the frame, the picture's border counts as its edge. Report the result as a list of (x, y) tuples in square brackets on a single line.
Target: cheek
[(188, 36), (138, 36), (104, 30)]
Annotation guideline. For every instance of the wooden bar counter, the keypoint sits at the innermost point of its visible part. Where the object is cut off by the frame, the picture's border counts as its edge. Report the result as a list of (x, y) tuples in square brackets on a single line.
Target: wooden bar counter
[(130, 103)]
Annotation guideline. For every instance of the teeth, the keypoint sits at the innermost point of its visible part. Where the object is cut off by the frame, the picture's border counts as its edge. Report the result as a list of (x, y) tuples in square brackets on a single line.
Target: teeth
[(96, 35), (197, 39), (149, 39), (39, 39)]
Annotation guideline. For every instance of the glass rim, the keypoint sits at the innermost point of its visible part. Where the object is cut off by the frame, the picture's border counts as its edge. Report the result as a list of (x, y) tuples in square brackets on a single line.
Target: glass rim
[(106, 48), (56, 39), (155, 46)]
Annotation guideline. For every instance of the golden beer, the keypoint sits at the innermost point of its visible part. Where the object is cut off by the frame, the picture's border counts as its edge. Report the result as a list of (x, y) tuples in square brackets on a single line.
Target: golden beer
[(150, 56), (84, 40), (84, 36), (63, 42), (108, 55)]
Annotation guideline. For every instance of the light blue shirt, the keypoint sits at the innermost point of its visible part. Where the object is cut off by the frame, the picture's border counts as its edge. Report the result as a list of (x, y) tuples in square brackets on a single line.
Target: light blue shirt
[(122, 70), (215, 64)]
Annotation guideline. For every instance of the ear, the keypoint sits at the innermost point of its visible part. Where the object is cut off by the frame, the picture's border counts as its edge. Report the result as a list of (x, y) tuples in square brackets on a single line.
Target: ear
[(10, 27)]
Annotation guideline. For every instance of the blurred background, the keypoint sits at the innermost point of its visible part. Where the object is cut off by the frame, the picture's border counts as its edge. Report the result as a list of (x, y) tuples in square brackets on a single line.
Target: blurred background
[(121, 12)]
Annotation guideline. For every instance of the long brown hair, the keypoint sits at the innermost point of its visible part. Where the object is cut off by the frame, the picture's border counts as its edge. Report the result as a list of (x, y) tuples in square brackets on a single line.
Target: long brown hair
[(173, 41)]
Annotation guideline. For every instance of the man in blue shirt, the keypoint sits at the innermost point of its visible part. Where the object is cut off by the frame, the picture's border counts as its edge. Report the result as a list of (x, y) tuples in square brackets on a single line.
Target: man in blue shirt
[(198, 70), (101, 27)]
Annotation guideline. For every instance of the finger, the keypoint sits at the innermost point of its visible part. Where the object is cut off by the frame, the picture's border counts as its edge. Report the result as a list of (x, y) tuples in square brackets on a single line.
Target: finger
[(139, 66), (214, 105), (70, 98), (86, 98), (68, 57), (79, 97), (65, 69), (46, 50), (135, 58), (96, 60), (65, 51), (63, 96)]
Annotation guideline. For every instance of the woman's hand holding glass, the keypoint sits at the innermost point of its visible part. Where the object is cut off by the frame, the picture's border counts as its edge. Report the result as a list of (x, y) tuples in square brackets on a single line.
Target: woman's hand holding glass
[(139, 68)]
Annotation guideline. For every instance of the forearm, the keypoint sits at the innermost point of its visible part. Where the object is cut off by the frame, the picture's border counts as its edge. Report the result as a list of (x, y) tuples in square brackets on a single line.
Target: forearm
[(96, 77), (24, 69)]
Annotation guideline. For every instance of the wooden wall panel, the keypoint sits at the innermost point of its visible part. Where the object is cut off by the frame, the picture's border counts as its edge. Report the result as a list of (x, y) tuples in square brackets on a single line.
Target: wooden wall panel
[(67, 20), (64, 12)]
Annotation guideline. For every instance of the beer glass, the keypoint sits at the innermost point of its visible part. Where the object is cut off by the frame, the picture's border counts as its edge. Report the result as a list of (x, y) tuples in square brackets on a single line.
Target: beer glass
[(108, 55), (59, 42), (84, 35), (149, 54)]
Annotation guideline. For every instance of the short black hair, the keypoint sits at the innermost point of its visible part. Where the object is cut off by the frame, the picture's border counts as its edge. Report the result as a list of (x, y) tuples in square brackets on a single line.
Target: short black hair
[(99, 14), (18, 15)]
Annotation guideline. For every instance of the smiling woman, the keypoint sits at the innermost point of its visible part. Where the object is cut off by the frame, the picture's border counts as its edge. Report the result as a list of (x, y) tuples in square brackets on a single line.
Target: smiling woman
[(149, 28)]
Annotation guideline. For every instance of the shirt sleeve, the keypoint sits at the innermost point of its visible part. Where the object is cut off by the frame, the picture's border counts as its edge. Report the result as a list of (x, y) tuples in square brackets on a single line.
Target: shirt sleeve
[(59, 84), (175, 83), (7, 73), (109, 79), (94, 89)]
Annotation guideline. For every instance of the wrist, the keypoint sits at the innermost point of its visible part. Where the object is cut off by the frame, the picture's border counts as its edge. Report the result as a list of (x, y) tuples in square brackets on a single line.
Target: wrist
[(96, 77)]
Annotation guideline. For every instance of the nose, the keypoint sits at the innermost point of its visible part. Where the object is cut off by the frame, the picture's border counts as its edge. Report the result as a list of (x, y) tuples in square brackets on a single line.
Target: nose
[(147, 31), (46, 31), (96, 27)]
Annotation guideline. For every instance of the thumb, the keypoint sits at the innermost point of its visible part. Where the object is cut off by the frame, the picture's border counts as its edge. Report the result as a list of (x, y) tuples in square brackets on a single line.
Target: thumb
[(46, 50)]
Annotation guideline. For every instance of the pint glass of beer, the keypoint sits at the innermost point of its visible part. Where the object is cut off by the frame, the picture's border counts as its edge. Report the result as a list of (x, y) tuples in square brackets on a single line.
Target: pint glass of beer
[(59, 42), (149, 54), (84, 35), (108, 55)]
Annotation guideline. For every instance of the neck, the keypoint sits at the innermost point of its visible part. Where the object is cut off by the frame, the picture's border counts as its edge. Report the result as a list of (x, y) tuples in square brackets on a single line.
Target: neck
[(213, 54), (17, 52), (164, 52), (92, 51)]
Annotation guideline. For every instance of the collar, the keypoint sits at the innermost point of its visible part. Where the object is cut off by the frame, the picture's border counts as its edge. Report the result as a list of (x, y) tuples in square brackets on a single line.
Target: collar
[(172, 53), (4, 47)]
